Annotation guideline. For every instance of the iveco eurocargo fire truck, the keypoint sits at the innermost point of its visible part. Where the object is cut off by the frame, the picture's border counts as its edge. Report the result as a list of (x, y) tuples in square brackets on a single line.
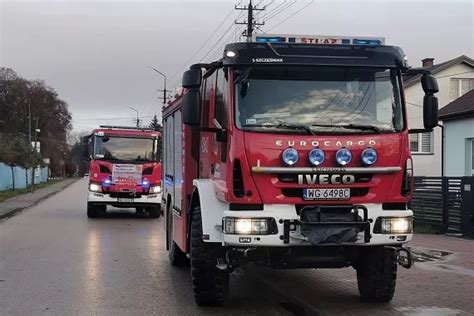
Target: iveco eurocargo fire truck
[(124, 170), (292, 152)]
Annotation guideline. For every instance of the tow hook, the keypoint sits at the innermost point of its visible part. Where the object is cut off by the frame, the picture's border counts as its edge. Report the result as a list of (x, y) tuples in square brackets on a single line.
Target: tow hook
[(404, 257)]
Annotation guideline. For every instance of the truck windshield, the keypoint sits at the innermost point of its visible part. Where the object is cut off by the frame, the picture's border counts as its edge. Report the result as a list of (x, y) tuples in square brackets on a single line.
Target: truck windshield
[(124, 148), (325, 99)]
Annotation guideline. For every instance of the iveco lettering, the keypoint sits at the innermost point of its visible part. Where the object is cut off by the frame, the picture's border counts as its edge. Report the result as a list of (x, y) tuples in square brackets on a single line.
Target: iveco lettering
[(292, 152)]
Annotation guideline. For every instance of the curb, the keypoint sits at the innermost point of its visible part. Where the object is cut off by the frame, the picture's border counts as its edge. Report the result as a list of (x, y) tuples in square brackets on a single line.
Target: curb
[(15, 211)]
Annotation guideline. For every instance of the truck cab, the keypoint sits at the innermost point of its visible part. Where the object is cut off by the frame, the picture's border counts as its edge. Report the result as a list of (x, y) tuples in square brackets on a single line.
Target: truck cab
[(295, 155)]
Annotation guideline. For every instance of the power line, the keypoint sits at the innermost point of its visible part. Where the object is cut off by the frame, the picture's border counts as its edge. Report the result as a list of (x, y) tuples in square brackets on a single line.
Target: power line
[(204, 44), (292, 15), (282, 9), (218, 41)]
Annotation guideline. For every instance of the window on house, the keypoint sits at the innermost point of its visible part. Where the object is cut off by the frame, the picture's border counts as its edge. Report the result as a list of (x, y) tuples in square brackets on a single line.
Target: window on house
[(421, 143), (460, 87)]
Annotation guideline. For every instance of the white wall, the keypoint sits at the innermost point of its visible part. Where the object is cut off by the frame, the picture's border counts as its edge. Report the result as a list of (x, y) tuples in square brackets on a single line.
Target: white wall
[(458, 135), (430, 164)]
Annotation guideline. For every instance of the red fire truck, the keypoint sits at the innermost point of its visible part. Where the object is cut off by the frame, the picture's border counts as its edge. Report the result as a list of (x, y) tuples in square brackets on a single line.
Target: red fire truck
[(292, 153), (124, 170)]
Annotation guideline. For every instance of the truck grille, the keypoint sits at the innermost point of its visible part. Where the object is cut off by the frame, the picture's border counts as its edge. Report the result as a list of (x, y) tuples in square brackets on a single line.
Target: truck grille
[(293, 178)]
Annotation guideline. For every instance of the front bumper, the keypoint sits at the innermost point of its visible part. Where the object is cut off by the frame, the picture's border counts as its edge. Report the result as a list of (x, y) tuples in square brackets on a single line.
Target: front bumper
[(105, 199), (285, 215)]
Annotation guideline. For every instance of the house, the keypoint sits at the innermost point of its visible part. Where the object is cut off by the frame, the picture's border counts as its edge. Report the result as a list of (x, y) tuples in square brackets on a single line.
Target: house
[(458, 122), (455, 78)]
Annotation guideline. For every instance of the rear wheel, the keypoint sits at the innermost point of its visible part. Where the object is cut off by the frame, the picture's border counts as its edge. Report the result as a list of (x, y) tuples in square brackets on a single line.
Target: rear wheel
[(209, 283), (92, 210), (139, 209), (377, 274)]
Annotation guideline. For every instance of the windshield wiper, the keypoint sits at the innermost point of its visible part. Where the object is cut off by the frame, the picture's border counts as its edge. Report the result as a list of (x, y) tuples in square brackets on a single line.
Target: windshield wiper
[(353, 126), (303, 127), (284, 125)]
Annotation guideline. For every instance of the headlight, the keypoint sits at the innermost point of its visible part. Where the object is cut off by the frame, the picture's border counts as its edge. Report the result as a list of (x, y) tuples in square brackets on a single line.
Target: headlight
[(290, 156), (343, 156), (316, 157), (394, 225), (369, 156), (155, 189), (246, 226), (94, 187)]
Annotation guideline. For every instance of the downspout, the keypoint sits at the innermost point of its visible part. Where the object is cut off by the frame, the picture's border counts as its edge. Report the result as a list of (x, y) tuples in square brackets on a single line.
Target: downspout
[(442, 149)]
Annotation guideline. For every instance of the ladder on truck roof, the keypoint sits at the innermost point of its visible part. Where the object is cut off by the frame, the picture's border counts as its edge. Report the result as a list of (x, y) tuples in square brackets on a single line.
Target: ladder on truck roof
[(127, 127)]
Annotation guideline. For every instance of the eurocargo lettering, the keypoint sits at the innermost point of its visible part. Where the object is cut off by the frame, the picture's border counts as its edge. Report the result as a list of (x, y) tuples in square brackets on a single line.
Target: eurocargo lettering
[(292, 153), (124, 170)]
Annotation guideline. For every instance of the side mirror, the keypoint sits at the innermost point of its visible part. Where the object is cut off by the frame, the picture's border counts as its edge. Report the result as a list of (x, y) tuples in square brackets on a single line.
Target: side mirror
[(429, 84), (430, 111), (191, 107), (85, 147), (192, 78)]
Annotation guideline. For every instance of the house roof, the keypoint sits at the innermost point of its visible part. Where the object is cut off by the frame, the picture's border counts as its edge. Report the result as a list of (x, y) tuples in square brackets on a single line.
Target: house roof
[(411, 79), (462, 107)]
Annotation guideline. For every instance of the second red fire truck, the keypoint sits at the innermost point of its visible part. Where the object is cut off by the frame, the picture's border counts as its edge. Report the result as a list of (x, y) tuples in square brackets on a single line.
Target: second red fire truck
[(124, 170), (292, 153)]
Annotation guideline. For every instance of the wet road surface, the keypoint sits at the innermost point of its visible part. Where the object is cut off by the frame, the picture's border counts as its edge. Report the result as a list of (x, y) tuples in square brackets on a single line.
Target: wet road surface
[(53, 260)]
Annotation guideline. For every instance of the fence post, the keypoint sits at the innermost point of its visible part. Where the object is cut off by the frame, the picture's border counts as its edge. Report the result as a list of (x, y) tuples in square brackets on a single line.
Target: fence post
[(467, 206), (445, 199)]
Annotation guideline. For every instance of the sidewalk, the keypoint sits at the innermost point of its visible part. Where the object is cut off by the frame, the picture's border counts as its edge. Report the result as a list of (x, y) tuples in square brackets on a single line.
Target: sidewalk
[(17, 204), (440, 283)]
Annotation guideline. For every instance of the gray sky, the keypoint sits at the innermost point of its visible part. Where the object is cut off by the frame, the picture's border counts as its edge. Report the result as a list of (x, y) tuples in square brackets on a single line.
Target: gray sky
[(96, 53)]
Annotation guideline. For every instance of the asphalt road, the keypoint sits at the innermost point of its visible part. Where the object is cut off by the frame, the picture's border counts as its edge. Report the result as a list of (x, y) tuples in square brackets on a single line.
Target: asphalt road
[(54, 260)]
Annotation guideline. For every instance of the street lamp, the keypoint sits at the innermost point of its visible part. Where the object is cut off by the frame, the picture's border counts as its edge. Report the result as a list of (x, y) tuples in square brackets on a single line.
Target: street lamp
[(138, 120), (164, 89), (37, 130)]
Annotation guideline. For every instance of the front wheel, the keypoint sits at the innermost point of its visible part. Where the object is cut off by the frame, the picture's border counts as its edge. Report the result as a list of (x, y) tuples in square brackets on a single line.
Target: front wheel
[(209, 283), (377, 274), (154, 211), (92, 210)]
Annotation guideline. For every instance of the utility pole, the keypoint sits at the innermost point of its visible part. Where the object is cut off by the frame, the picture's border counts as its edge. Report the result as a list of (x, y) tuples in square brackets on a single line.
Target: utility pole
[(251, 23), (165, 92), (34, 157), (138, 120)]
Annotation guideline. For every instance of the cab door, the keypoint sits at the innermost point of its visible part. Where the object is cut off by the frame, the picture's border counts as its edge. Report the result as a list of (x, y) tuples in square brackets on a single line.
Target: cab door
[(219, 110)]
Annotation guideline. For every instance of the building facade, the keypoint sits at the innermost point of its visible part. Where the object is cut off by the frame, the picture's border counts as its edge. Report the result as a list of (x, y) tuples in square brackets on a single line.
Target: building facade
[(458, 122), (455, 78)]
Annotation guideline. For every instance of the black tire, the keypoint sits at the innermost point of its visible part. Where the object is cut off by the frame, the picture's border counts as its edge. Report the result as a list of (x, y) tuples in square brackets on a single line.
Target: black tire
[(139, 209), (377, 274), (209, 283), (176, 256), (154, 211), (92, 210)]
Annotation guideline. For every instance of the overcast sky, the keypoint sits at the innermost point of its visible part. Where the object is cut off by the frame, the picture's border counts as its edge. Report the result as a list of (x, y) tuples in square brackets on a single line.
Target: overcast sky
[(96, 53)]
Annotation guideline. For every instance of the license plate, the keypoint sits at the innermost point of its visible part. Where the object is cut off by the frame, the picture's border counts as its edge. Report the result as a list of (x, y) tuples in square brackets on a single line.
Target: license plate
[(125, 200), (326, 194)]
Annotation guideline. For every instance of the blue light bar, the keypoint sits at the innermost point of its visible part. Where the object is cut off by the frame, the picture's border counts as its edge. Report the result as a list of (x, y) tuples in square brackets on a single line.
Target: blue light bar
[(371, 42), (270, 39)]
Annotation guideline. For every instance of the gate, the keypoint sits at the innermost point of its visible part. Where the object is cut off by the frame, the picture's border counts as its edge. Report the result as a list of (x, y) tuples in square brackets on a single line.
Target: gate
[(445, 203)]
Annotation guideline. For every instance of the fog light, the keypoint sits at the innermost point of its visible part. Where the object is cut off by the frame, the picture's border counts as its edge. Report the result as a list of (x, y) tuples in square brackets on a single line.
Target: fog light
[(245, 226), (343, 156), (394, 225), (290, 156)]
